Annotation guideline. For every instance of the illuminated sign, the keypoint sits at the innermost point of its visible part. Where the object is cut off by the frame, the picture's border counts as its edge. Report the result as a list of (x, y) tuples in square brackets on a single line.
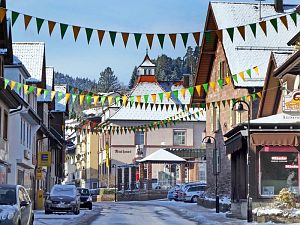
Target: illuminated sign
[(291, 102), (291, 166), (279, 159)]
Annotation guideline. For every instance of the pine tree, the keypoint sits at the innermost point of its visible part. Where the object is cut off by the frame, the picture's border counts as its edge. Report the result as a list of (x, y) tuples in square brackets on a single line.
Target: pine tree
[(133, 78), (108, 81)]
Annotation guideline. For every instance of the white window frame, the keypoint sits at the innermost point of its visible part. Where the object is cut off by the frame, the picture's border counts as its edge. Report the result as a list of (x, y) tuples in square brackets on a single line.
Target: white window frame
[(180, 136), (137, 138)]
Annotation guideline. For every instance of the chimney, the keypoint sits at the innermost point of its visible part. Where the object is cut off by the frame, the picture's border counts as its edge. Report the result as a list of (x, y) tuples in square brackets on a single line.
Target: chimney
[(186, 80), (279, 6)]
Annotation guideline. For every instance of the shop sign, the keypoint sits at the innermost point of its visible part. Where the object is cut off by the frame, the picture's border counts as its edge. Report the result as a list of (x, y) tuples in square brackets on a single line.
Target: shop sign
[(39, 173), (44, 159), (279, 159), (122, 151), (291, 166), (291, 102)]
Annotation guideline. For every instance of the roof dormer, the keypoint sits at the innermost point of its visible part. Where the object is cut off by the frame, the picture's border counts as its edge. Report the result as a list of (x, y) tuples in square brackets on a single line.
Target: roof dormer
[(147, 68)]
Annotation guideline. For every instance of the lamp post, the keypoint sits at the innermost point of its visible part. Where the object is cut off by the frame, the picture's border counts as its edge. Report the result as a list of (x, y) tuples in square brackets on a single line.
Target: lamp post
[(216, 168), (241, 109), (115, 166)]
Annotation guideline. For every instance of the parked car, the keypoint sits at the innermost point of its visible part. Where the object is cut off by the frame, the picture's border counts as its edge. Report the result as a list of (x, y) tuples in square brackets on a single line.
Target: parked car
[(95, 191), (85, 198), (193, 192), (181, 191), (15, 205), (62, 198), (171, 192)]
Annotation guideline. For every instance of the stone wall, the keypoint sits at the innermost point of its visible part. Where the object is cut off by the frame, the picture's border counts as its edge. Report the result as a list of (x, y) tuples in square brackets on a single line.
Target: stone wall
[(142, 196)]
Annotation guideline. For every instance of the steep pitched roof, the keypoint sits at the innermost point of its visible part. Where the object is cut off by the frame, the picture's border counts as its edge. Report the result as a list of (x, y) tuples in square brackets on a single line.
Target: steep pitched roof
[(49, 84), (147, 62), (32, 55)]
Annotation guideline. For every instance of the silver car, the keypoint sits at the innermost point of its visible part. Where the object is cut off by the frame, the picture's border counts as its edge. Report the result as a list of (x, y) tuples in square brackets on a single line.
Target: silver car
[(15, 205), (63, 198)]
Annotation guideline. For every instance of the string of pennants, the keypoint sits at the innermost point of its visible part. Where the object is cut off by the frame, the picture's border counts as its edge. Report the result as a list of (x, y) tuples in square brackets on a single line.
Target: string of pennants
[(149, 36), (154, 100)]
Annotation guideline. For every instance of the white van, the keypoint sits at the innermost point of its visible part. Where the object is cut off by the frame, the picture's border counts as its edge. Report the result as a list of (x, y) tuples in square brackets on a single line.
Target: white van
[(192, 193)]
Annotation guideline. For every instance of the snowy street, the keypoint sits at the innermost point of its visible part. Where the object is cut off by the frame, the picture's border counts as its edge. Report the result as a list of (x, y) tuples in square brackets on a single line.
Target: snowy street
[(158, 212)]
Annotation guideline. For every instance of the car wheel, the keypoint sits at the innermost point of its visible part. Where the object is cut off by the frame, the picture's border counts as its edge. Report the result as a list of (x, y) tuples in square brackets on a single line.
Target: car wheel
[(90, 207), (194, 199), (77, 211), (47, 212)]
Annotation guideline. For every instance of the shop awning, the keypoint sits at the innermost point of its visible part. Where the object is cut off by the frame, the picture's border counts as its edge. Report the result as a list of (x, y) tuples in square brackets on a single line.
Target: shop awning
[(234, 144), (275, 139)]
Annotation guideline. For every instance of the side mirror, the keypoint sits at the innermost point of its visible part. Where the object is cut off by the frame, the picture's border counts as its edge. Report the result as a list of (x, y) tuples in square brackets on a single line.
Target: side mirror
[(24, 204), (47, 194)]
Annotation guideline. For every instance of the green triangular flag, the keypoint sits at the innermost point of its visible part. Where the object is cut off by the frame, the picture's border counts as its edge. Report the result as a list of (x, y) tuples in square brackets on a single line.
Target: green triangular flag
[(131, 100), (161, 96), (294, 18), (137, 38), (19, 85), (253, 96), (14, 17), (59, 96), (74, 97), (185, 37), (220, 83), (39, 23), (274, 23), (208, 36), (253, 28), (191, 90), (175, 94), (146, 98), (45, 93), (63, 29), (103, 100), (89, 33), (230, 31), (249, 72), (117, 99), (234, 76), (224, 103), (6, 81), (244, 98), (88, 99), (112, 35), (203, 105), (205, 86), (31, 89), (161, 38)]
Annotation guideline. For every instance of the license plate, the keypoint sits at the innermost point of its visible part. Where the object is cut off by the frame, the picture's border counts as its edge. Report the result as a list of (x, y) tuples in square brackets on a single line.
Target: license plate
[(61, 206)]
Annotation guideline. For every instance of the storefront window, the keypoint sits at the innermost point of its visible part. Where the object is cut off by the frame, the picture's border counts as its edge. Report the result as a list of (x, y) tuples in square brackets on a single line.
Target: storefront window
[(3, 174), (278, 170)]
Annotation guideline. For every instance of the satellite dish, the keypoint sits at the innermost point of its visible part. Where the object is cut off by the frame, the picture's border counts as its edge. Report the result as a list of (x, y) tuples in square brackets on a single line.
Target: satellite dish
[(297, 83)]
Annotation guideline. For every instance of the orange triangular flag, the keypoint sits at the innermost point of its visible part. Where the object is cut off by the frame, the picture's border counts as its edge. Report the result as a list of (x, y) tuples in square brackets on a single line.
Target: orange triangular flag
[(139, 99), (27, 20), (220, 34), (228, 80), (51, 25), (212, 84), (168, 95), (284, 21), (109, 99), (263, 25), (124, 98), (228, 102), (125, 38), (208, 104), (150, 39), (67, 97), (198, 89), (256, 70), (2, 14), (153, 97), (258, 94), (100, 35), (173, 39), (183, 91), (76, 30), (81, 98), (241, 29), (242, 75), (197, 38), (218, 103), (96, 99)]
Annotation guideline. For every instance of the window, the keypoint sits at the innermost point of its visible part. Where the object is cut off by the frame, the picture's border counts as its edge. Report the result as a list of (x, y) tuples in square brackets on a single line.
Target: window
[(20, 177), (278, 170), (23, 138), (179, 137), (5, 125), (222, 70), (213, 118), (233, 116), (27, 135), (218, 118), (139, 138), (21, 135), (30, 139)]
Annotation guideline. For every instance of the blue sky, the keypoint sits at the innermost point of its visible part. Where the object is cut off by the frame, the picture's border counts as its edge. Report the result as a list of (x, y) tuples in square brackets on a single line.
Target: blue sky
[(81, 59)]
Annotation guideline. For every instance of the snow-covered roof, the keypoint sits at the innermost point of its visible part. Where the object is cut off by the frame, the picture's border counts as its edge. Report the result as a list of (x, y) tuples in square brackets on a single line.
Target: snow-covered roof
[(31, 54), (93, 111), (280, 58), (147, 88), (243, 55), (147, 62), (162, 156), (281, 118)]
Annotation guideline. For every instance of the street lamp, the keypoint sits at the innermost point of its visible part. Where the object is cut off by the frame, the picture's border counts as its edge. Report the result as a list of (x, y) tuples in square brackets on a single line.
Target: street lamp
[(115, 166), (216, 168), (241, 109)]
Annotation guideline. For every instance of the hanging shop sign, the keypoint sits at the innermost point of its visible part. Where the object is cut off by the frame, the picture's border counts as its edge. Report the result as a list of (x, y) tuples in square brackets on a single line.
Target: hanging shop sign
[(291, 102), (44, 159), (39, 173)]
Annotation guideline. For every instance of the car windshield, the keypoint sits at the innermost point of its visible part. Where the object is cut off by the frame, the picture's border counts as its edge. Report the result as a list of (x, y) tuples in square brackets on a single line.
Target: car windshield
[(84, 192), (8, 196), (63, 190)]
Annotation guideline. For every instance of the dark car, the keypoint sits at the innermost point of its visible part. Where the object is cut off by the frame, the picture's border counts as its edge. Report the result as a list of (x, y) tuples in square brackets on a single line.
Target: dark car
[(15, 205), (85, 198), (62, 198)]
